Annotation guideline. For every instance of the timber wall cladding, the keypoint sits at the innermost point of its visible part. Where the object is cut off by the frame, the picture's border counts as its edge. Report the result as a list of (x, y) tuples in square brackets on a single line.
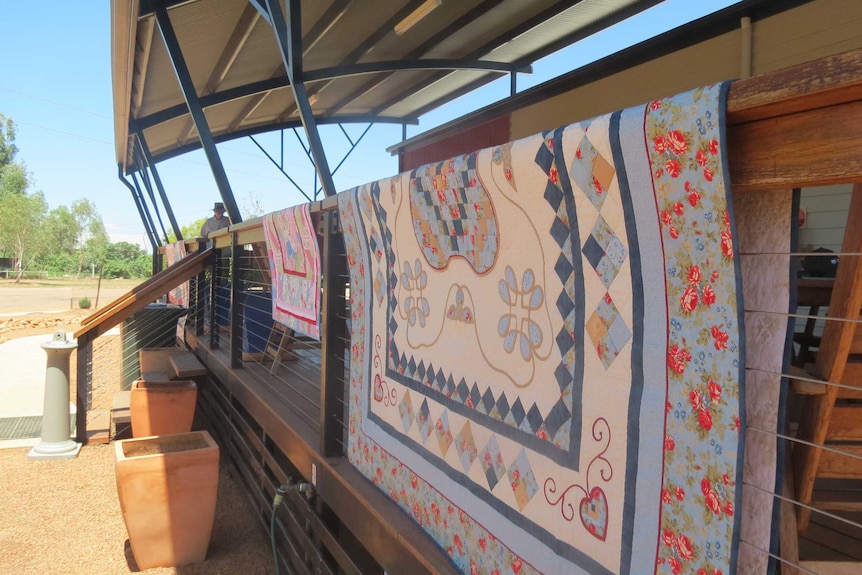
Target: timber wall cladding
[(826, 214), (702, 64), (802, 34)]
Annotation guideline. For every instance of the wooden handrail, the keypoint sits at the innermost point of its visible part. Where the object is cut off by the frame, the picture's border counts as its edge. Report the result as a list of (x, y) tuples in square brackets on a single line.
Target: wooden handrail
[(143, 294), (796, 127)]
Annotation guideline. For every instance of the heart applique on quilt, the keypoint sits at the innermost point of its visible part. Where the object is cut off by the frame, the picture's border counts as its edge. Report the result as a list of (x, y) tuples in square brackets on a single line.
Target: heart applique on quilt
[(594, 513)]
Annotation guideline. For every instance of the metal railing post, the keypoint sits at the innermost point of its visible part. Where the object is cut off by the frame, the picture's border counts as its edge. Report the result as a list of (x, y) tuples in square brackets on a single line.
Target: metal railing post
[(334, 335), (214, 335), (84, 381), (237, 302)]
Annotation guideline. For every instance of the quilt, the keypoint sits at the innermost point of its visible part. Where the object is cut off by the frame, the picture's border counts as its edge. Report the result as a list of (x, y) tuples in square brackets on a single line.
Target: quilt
[(547, 346), (174, 252), (294, 263)]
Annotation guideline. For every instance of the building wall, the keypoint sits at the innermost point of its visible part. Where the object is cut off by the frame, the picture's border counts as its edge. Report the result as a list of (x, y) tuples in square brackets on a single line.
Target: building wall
[(826, 215), (811, 31), (484, 135), (683, 70), (805, 33)]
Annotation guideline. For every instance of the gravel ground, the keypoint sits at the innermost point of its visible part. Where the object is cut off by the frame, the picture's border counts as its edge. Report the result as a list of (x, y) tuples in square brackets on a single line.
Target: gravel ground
[(62, 517)]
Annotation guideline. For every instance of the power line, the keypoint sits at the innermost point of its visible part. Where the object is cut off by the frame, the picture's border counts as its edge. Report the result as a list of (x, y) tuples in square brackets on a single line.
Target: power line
[(97, 114), (74, 135)]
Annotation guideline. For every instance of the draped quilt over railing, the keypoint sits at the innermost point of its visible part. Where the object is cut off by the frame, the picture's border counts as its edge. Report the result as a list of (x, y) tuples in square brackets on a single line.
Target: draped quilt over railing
[(547, 346), (294, 265)]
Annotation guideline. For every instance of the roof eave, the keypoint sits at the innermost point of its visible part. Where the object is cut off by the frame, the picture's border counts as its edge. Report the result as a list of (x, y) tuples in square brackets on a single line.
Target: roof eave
[(124, 23)]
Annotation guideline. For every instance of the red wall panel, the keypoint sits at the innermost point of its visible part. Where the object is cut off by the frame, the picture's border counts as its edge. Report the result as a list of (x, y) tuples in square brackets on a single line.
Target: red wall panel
[(485, 135)]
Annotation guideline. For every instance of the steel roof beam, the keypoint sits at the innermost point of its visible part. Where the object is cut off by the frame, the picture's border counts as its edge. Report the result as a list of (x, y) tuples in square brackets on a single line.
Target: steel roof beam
[(274, 83), (262, 129), (148, 158), (288, 33), (362, 48), (426, 64), (486, 48), (236, 42), (422, 49), (196, 110), (330, 18), (146, 51), (564, 42), (146, 183), (234, 45)]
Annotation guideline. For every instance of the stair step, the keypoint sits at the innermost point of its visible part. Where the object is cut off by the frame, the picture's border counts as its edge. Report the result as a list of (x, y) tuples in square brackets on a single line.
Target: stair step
[(120, 412), (186, 365)]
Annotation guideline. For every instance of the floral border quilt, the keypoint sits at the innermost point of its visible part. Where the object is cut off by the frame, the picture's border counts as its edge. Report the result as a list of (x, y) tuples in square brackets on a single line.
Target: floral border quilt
[(547, 346)]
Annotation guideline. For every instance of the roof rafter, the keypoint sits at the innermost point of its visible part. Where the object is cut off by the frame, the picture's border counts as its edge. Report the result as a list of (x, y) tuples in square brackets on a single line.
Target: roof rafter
[(567, 40), (235, 43), (360, 50), (146, 50), (486, 48), (420, 50)]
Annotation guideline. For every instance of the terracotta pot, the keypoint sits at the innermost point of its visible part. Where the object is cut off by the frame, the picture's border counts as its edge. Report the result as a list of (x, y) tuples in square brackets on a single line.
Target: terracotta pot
[(161, 408), (167, 487)]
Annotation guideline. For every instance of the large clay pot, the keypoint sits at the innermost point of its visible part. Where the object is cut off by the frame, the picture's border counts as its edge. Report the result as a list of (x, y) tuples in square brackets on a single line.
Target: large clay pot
[(167, 487), (161, 408)]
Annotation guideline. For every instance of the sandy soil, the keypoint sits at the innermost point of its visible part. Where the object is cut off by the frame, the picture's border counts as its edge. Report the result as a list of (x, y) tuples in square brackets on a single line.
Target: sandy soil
[(63, 518)]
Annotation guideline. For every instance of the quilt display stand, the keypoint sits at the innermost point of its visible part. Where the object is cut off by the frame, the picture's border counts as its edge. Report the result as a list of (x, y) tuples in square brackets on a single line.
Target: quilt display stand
[(277, 346)]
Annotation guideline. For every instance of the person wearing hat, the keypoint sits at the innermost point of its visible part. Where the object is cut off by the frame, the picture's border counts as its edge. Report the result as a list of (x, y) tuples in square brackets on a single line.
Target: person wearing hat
[(217, 222)]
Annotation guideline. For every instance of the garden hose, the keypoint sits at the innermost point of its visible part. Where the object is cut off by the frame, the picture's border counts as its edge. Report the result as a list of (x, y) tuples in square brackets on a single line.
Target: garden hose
[(276, 501)]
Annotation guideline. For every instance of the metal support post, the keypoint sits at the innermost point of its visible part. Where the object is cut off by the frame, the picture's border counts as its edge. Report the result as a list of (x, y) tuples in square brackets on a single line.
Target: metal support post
[(184, 78), (288, 34), (145, 149), (237, 302), (333, 342), (213, 306)]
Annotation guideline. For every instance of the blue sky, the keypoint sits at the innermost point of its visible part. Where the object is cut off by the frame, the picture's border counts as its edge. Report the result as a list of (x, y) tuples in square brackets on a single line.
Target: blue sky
[(55, 83)]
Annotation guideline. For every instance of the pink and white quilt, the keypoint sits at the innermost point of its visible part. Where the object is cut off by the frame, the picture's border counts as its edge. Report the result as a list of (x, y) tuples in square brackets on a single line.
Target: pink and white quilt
[(294, 263)]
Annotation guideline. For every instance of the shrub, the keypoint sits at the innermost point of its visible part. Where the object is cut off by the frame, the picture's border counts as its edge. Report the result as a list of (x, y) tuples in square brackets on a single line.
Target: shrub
[(84, 303)]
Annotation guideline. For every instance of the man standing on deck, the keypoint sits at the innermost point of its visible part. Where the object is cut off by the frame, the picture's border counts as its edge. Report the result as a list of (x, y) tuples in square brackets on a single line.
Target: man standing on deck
[(217, 222)]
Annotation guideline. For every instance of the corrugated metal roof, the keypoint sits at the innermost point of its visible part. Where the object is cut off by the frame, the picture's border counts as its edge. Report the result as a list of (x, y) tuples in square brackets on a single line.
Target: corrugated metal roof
[(356, 66)]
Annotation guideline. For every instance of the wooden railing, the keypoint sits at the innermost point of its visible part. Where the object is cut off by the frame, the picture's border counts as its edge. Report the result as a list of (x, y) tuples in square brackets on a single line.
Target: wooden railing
[(99, 322)]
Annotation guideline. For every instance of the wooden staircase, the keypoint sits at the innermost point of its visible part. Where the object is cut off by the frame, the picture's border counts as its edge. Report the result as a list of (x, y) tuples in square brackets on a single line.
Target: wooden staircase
[(97, 427), (832, 414), (159, 364)]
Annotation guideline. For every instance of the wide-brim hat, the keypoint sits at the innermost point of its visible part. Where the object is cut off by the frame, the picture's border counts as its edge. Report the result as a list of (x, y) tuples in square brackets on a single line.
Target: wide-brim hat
[(218, 207)]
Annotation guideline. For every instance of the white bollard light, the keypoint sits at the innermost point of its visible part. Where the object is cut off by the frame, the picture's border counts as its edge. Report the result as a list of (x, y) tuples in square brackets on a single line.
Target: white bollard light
[(56, 442)]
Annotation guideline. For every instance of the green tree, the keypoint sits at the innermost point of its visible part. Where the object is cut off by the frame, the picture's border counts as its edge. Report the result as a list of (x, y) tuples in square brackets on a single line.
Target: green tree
[(7, 141), (126, 260), (13, 175), (90, 227), (189, 231), (95, 249), (63, 230), (22, 230), (14, 180)]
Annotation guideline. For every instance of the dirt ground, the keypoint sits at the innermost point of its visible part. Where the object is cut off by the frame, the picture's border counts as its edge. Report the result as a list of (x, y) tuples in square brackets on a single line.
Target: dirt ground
[(73, 503), (43, 306)]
